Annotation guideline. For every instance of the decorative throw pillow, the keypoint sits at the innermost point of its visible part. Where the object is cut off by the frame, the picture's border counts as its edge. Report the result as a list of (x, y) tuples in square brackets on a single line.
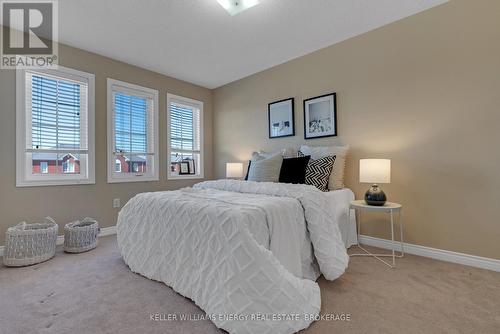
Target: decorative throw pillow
[(318, 172), (316, 152), (265, 169), (293, 170), (288, 152)]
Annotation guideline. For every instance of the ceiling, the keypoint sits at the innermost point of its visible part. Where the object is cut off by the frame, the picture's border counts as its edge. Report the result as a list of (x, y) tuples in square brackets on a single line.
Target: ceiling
[(199, 42)]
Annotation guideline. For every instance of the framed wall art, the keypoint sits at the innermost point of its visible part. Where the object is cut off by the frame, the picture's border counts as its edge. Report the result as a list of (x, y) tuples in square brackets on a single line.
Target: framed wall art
[(320, 116), (281, 118)]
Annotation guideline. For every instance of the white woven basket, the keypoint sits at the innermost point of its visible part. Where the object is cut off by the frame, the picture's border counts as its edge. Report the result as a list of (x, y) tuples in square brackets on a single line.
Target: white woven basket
[(27, 244), (81, 236)]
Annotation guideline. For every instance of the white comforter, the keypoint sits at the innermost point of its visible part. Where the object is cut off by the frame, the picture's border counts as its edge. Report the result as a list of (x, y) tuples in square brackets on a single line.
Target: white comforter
[(238, 249)]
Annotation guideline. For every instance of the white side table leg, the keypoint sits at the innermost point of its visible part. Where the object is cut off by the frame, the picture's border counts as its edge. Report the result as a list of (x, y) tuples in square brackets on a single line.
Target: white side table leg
[(357, 215), (392, 241), (401, 231)]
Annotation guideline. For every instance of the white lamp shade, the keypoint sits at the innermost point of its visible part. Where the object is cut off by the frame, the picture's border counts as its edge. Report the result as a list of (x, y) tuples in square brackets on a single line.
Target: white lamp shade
[(234, 170), (375, 171)]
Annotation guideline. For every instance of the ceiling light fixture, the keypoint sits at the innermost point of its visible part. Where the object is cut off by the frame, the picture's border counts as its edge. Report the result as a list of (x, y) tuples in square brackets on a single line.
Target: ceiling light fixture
[(234, 7)]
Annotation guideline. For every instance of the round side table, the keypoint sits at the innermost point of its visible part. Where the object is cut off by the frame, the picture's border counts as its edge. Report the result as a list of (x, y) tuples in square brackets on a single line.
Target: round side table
[(390, 208)]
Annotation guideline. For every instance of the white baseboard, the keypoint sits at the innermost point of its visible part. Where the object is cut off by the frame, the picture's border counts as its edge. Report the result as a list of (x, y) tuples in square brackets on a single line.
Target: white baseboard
[(105, 231), (434, 253)]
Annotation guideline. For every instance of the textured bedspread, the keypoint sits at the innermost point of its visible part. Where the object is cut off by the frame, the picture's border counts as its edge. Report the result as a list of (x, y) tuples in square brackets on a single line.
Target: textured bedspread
[(237, 249)]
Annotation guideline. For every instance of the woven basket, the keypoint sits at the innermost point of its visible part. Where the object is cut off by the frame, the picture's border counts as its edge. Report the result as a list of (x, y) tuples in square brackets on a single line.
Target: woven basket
[(27, 244), (81, 236)]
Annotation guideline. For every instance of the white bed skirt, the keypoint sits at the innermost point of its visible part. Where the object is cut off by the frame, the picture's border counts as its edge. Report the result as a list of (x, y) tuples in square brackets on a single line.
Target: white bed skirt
[(341, 199)]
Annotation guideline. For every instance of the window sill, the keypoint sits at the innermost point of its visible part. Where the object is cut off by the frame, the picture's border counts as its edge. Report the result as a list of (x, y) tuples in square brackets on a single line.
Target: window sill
[(134, 179), (185, 177), (25, 184)]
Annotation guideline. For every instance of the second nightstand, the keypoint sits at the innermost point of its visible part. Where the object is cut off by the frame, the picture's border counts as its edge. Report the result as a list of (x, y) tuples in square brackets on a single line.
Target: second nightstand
[(390, 208)]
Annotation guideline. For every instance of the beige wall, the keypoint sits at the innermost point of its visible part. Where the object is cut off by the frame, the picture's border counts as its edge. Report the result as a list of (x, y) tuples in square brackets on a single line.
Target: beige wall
[(425, 92), (66, 203)]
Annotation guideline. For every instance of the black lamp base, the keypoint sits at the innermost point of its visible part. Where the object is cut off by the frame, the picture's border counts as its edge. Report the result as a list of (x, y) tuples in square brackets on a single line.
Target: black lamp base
[(375, 196)]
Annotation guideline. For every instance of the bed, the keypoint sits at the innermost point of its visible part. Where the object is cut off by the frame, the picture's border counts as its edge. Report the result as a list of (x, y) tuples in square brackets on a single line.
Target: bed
[(342, 198), (247, 253)]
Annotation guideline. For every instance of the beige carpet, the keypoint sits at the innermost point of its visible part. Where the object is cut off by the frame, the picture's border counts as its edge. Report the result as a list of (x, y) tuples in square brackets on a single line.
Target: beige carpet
[(95, 292)]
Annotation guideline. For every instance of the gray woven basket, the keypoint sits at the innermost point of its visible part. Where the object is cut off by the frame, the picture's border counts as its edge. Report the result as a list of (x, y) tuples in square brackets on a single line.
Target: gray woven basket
[(81, 236), (27, 244)]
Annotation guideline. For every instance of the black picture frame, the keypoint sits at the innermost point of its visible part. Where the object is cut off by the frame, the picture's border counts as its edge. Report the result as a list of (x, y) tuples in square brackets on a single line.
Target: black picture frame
[(192, 169), (333, 116), (290, 103), (184, 165)]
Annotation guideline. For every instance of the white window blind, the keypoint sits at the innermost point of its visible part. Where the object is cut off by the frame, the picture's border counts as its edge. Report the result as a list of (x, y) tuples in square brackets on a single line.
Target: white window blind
[(54, 111), (132, 123), (184, 128), (58, 114), (185, 136), (133, 126)]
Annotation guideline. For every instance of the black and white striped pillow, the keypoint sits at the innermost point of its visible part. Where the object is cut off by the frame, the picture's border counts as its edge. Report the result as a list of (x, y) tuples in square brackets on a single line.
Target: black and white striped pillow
[(318, 172)]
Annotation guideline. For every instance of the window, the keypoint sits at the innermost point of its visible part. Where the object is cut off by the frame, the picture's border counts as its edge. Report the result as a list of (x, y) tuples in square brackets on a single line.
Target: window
[(132, 132), (68, 167), (118, 166), (55, 127), (44, 167), (185, 137)]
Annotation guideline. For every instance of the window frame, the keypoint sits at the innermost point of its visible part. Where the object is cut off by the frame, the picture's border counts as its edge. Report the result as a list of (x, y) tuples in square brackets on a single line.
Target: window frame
[(196, 104), (114, 85), (23, 163)]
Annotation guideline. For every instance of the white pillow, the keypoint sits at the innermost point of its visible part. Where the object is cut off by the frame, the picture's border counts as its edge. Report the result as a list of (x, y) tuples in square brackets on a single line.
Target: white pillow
[(288, 152), (336, 180), (265, 169)]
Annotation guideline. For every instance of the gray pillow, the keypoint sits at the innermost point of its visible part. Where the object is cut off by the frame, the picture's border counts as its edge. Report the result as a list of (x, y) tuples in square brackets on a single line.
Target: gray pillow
[(265, 169)]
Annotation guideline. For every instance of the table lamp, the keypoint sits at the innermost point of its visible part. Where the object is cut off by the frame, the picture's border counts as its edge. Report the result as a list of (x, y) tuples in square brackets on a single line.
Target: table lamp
[(234, 170), (375, 171)]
